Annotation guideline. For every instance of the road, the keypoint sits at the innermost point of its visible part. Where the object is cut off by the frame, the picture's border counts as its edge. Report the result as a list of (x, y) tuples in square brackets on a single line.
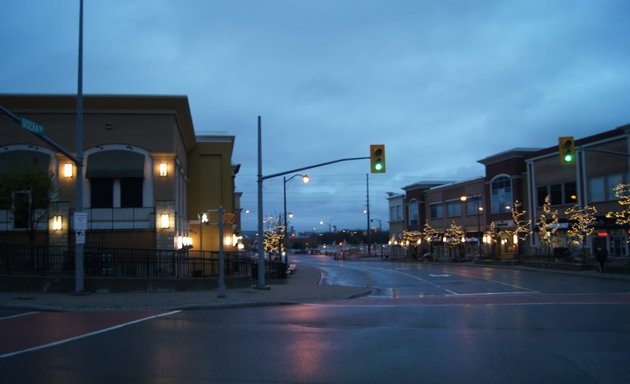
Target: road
[(385, 338), (416, 280)]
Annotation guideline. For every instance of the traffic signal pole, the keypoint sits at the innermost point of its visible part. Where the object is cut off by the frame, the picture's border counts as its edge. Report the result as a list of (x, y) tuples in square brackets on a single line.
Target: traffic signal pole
[(80, 216)]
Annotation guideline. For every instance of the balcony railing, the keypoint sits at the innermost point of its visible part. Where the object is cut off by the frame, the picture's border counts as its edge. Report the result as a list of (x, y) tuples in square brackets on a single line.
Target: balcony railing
[(121, 218), (98, 219)]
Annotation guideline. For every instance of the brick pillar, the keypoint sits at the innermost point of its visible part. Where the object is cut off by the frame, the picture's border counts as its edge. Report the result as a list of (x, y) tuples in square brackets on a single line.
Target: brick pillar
[(59, 237), (165, 237)]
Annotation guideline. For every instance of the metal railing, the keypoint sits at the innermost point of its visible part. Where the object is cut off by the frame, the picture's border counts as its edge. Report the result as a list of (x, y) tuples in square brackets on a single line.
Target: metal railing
[(129, 263), (121, 218)]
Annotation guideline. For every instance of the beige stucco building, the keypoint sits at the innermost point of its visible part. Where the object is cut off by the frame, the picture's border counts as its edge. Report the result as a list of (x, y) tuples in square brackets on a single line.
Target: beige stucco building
[(146, 176)]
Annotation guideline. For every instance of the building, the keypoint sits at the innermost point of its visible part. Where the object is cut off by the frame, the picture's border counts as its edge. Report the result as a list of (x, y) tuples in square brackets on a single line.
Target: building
[(602, 162), (505, 179), (396, 203), (147, 178), (519, 180)]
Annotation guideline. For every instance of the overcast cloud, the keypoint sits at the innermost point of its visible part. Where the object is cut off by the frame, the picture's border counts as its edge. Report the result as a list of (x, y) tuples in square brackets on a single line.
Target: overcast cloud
[(441, 83)]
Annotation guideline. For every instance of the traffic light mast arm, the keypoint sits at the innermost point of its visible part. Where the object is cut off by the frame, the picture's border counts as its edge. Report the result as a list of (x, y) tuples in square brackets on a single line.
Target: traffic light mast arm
[(47, 139), (313, 166)]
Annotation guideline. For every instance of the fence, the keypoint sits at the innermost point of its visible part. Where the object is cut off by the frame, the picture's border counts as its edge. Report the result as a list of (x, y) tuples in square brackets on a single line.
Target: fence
[(128, 263)]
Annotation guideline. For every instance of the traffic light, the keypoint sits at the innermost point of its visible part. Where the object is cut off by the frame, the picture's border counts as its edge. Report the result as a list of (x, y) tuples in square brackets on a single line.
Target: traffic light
[(566, 149), (377, 158)]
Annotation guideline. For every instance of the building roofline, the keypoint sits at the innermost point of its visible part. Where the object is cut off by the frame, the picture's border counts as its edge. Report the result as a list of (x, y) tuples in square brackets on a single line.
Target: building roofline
[(425, 184), (620, 131), (456, 183), (519, 152), (119, 103)]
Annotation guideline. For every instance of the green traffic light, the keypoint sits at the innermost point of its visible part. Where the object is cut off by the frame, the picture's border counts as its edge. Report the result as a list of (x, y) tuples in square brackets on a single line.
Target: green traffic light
[(568, 157), (378, 166)]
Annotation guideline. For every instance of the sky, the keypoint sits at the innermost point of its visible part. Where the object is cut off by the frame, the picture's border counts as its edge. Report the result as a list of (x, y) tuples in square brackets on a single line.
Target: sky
[(442, 84)]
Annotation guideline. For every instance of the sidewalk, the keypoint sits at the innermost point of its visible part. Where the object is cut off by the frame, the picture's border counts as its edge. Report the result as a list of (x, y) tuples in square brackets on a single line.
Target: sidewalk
[(302, 287)]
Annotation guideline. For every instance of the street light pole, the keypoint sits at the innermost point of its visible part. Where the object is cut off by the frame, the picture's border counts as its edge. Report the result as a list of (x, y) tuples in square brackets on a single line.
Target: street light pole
[(478, 226), (306, 179), (478, 209)]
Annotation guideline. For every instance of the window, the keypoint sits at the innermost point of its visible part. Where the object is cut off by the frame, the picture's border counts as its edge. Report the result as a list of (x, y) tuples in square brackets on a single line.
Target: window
[(570, 193), (454, 208), (541, 194), (473, 205), (395, 213), (501, 188), (437, 211), (612, 181), (596, 189), (102, 193), (413, 213), (555, 192), (22, 202), (131, 192)]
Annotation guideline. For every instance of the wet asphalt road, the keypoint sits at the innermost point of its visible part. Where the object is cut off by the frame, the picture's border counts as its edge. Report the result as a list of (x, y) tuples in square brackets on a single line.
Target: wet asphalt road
[(377, 339)]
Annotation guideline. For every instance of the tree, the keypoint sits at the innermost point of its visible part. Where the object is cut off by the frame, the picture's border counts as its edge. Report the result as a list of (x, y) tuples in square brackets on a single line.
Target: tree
[(622, 192), (27, 194), (521, 224), (547, 223), (454, 236), (411, 238), (492, 235), (274, 236), (428, 233), (582, 223)]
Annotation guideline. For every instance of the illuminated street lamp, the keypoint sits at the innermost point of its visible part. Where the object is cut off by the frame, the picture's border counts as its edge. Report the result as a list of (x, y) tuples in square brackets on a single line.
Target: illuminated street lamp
[(478, 209), (305, 180)]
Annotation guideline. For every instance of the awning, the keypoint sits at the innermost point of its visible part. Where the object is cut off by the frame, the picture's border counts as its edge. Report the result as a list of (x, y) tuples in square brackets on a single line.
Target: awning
[(115, 164), (20, 160)]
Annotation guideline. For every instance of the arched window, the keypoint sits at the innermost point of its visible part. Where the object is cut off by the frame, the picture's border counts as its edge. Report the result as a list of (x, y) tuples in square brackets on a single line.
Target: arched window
[(116, 179), (414, 214), (501, 194)]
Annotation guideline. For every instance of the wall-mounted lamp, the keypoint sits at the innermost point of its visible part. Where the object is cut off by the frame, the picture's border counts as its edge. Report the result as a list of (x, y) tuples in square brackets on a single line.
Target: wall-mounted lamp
[(184, 242), (57, 223), (163, 169), (67, 170), (165, 221)]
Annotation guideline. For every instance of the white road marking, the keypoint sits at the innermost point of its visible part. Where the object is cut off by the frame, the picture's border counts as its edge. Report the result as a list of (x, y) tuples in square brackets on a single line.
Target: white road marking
[(19, 315), (59, 342)]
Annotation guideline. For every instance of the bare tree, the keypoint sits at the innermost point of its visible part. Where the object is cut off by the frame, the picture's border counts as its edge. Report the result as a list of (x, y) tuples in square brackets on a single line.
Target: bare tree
[(547, 224), (521, 223), (622, 192)]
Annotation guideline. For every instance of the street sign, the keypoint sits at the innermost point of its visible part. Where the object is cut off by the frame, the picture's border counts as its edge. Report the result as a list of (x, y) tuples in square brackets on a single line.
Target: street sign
[(32, 126), (80, 221)]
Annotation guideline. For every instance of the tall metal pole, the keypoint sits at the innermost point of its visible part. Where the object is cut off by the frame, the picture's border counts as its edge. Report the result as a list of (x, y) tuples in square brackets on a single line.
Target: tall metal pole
[(367, 182), (79, 237), (477, 199), (261, 235), (286, 224), (221, 293)]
